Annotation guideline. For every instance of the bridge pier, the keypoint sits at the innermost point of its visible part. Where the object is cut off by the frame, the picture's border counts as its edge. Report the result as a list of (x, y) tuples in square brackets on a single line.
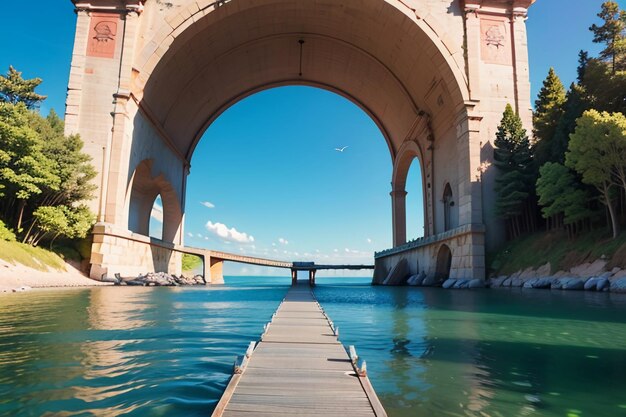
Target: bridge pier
[(294, 277), (213, 270), (312, 277)]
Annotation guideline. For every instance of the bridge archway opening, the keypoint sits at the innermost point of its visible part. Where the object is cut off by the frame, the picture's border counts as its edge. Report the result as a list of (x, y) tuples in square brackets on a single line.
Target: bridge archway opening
[(444, 263), (282, 160), (414, 200), (156, 219)]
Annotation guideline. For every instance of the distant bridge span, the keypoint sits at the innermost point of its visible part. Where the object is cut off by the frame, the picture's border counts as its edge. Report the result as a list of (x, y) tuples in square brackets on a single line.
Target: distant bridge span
[(214, 260)]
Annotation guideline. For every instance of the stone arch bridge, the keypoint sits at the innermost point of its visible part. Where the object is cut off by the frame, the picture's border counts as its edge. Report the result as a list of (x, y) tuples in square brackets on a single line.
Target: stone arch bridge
[(149, 76)]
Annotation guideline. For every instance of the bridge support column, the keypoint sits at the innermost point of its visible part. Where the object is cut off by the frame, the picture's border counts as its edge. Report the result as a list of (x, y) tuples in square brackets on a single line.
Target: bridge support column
[(294, 277), (213, 270), (312, 277), (398, 212)]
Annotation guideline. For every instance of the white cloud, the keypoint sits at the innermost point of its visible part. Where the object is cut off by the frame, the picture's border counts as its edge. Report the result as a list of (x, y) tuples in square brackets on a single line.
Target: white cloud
[(207, 204), (369, 240), (283, 241), (232, 234), (273, 244), (189, 234), (157, 213)]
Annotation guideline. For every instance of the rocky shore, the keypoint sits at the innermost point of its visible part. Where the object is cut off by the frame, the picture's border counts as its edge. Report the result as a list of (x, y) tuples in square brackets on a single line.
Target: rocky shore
[(157, 279), (586, 277)]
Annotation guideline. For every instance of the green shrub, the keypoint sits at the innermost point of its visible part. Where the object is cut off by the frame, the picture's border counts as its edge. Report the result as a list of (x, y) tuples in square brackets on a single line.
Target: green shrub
[(6, 233)]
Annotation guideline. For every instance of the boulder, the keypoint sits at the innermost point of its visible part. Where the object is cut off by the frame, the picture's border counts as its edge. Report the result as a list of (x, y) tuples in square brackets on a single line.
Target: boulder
[(398, 274), (507, 282), (417, 279), (619, 285), (461, 283), (431, 281), (557, 283), (590, 284), (498, 281), (619, 274), (543, 283), (603, 284), (449, 283), (573, 284), (517, 282), (589, 269), (476, 283), (530, 283), (544, 270)]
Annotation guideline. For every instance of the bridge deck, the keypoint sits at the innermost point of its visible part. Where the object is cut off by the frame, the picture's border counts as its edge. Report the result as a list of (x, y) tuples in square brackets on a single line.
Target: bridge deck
[(299, 369)]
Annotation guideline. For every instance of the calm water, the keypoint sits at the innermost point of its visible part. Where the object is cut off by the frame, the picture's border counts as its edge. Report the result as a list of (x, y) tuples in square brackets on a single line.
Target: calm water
[(169, 352)]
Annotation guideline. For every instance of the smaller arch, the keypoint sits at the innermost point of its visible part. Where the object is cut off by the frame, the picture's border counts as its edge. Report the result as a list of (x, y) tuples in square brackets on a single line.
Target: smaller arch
[(144, 190), (444, 263)]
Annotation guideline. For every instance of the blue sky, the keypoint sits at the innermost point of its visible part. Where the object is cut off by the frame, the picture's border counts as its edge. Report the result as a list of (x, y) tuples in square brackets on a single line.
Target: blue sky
[(268, 165)]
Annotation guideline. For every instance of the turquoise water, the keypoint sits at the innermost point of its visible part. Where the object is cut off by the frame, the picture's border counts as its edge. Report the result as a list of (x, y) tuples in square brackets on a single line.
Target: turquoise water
[(430, 352)]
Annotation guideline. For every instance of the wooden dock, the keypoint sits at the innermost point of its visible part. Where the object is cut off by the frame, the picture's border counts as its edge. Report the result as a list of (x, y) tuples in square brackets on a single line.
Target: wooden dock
[(299, 368)]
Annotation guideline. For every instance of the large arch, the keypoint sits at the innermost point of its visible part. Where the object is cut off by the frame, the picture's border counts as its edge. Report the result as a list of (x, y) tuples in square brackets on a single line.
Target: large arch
[(413, 66)]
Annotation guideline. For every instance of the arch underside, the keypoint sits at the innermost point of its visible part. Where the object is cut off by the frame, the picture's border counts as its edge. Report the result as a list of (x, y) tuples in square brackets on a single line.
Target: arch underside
[(372, 53)]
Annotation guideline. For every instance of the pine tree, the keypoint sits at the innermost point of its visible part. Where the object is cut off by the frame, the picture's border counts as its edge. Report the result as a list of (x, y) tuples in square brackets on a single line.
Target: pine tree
[(15, 89), (515, 180), (611, 33), (575, 104), (548, 112)]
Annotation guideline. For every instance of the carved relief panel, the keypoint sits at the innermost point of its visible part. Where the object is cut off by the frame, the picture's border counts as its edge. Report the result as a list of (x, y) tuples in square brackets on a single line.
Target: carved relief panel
[(495, 42), (103, 31)]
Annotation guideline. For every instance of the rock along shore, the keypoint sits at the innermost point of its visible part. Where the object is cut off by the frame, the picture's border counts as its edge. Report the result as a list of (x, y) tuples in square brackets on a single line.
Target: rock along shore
[(586, 277), (157, 279)]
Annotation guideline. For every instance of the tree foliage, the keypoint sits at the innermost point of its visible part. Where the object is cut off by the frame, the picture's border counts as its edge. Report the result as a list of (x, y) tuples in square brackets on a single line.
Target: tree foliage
[(561, 194), (514, 183), (15, 89), (597, 151), (548, 111), (44, 175), (611, 34)]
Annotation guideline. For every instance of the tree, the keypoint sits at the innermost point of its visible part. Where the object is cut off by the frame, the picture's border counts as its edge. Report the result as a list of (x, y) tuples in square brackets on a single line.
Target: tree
[(15, 89), (611, 33), (515, 180), (53, 221), (576, 102), (561, 195), (597, 151), (24, 169), (548, 112), (605, 91)]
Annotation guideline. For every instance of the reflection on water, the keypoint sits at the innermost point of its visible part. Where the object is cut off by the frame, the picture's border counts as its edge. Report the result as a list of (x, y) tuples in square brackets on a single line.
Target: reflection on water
[(486, 353), (126, 351), (169, 351)]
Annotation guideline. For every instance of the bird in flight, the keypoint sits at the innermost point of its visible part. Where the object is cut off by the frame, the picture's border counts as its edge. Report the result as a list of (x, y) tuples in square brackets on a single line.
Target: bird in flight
[(341, 149)]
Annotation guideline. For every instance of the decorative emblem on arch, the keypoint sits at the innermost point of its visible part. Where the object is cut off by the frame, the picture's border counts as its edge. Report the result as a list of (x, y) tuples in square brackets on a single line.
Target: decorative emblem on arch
[(494, 49)]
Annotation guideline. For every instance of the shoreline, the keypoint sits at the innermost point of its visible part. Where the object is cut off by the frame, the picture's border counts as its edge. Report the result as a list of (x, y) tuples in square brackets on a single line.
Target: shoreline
[(18, 278)]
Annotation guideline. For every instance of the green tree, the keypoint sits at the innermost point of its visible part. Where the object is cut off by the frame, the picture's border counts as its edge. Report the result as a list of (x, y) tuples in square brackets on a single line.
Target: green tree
[(515, 180), (24, 169), (604, 90), (15, 89), (548, 112), (68, 221), (576, 103), (563, 198), (597, 151), (611, 34)]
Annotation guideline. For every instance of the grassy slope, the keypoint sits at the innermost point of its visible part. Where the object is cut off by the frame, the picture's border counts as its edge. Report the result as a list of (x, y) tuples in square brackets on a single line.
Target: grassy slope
[(562, 253), (36, 258)]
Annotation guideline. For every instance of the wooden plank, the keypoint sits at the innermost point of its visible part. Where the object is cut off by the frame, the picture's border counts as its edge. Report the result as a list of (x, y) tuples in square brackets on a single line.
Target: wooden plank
[(299, 369)]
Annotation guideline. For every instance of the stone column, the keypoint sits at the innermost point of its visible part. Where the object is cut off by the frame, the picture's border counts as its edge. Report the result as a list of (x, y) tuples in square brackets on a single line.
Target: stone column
[(398, 212), (520, 67), (216, 270), (472, 36), (294, 277)]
